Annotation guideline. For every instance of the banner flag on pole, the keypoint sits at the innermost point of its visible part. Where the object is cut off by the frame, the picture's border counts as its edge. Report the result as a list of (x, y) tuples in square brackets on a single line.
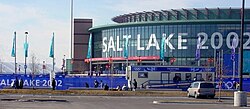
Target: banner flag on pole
[(125, 52), (197, 54), (162, 46), (89, 46), (26, 47), (234, 45), (13, 52), (51, 53)]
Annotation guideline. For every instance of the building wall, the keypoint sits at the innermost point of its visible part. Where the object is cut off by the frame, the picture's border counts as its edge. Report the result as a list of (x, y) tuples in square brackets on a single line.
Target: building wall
[(181, 44), (81, 38)]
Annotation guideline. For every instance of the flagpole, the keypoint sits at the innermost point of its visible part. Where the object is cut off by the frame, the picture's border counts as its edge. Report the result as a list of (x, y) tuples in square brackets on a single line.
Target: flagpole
[(26, 53), (53, 68), (90, 66), (198, 47), (89, 55), (15, 51), (215, 63), (233, 69), (127, 62), (162, 49), (52, 55), (53, 64), (90, 63)]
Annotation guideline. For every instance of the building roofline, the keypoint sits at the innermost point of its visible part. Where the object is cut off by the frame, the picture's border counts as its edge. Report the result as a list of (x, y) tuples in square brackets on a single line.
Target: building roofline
[(182, 14), (177, 22)]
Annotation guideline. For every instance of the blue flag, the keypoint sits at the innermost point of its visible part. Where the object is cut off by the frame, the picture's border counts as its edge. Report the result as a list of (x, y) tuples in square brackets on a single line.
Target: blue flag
[(13, 51), (198, 47), (51, 53), (162, 46), (234, 45), (89, 47), (125, 52)]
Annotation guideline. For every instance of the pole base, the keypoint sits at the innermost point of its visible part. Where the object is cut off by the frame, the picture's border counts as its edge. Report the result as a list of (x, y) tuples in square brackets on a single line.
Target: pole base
[(240, 99)]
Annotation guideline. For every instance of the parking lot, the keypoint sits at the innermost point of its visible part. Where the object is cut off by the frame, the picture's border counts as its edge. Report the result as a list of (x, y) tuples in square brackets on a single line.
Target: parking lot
[(111, 102)]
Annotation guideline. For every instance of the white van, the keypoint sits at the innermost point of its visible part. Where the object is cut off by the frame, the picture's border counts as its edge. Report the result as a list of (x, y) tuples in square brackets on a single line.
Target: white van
[(198, 89)]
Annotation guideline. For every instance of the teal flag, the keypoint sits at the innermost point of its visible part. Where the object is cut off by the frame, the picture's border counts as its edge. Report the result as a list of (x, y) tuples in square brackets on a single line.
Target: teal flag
[(26, 46), (51, 53), (125, 51), (162, 46), (89, 47), (13, 51)]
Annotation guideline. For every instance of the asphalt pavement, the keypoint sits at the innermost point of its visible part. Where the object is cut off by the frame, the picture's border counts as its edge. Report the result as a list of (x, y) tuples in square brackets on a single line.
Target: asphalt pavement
[(111, 102)]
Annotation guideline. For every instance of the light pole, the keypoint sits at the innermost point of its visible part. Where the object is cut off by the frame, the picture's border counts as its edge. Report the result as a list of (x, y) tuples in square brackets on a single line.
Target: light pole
[(26, 52), (71, 29), (111, 70), (241, 44), (15, 52), (240, 97)]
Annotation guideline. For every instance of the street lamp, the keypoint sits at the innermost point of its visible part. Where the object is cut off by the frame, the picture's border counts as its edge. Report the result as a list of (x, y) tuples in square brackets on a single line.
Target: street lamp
[(240, 97), (71, 28), (241, 44)]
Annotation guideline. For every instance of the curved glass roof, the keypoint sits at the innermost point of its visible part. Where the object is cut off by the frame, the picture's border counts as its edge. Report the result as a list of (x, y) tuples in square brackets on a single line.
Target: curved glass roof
[(182, 14)]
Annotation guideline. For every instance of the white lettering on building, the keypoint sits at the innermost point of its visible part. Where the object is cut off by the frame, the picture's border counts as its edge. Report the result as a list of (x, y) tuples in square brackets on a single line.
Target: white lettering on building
[(139, 43), (104, 44), (181, 40), (111, 44), (153, 42), (118, 43), (167, 41), (215, 41)]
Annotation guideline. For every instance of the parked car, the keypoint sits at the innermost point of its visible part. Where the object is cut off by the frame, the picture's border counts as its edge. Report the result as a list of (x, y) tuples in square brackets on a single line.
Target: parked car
[(198, 89)]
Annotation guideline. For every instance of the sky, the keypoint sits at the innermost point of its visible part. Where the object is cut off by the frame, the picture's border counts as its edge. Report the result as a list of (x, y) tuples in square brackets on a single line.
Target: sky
[(43, 17)]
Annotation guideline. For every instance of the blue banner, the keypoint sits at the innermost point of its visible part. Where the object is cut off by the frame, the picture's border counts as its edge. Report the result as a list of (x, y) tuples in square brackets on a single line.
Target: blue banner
[(38, 81), (62, 82), (228, 65), (231, 84)]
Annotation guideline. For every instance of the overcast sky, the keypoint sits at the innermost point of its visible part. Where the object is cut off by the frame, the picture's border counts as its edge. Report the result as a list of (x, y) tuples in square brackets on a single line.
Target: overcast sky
[(42, 17)]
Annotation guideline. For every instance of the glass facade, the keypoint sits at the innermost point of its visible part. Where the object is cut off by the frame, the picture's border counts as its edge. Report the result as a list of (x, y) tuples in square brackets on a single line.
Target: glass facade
[(180, 42)]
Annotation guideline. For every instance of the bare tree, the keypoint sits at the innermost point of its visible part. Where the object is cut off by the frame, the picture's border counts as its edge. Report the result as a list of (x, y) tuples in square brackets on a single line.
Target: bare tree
[(34, 65)]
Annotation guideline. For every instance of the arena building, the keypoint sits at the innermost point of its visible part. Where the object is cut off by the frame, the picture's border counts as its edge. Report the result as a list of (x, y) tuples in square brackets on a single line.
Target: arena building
[(181, 28)]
